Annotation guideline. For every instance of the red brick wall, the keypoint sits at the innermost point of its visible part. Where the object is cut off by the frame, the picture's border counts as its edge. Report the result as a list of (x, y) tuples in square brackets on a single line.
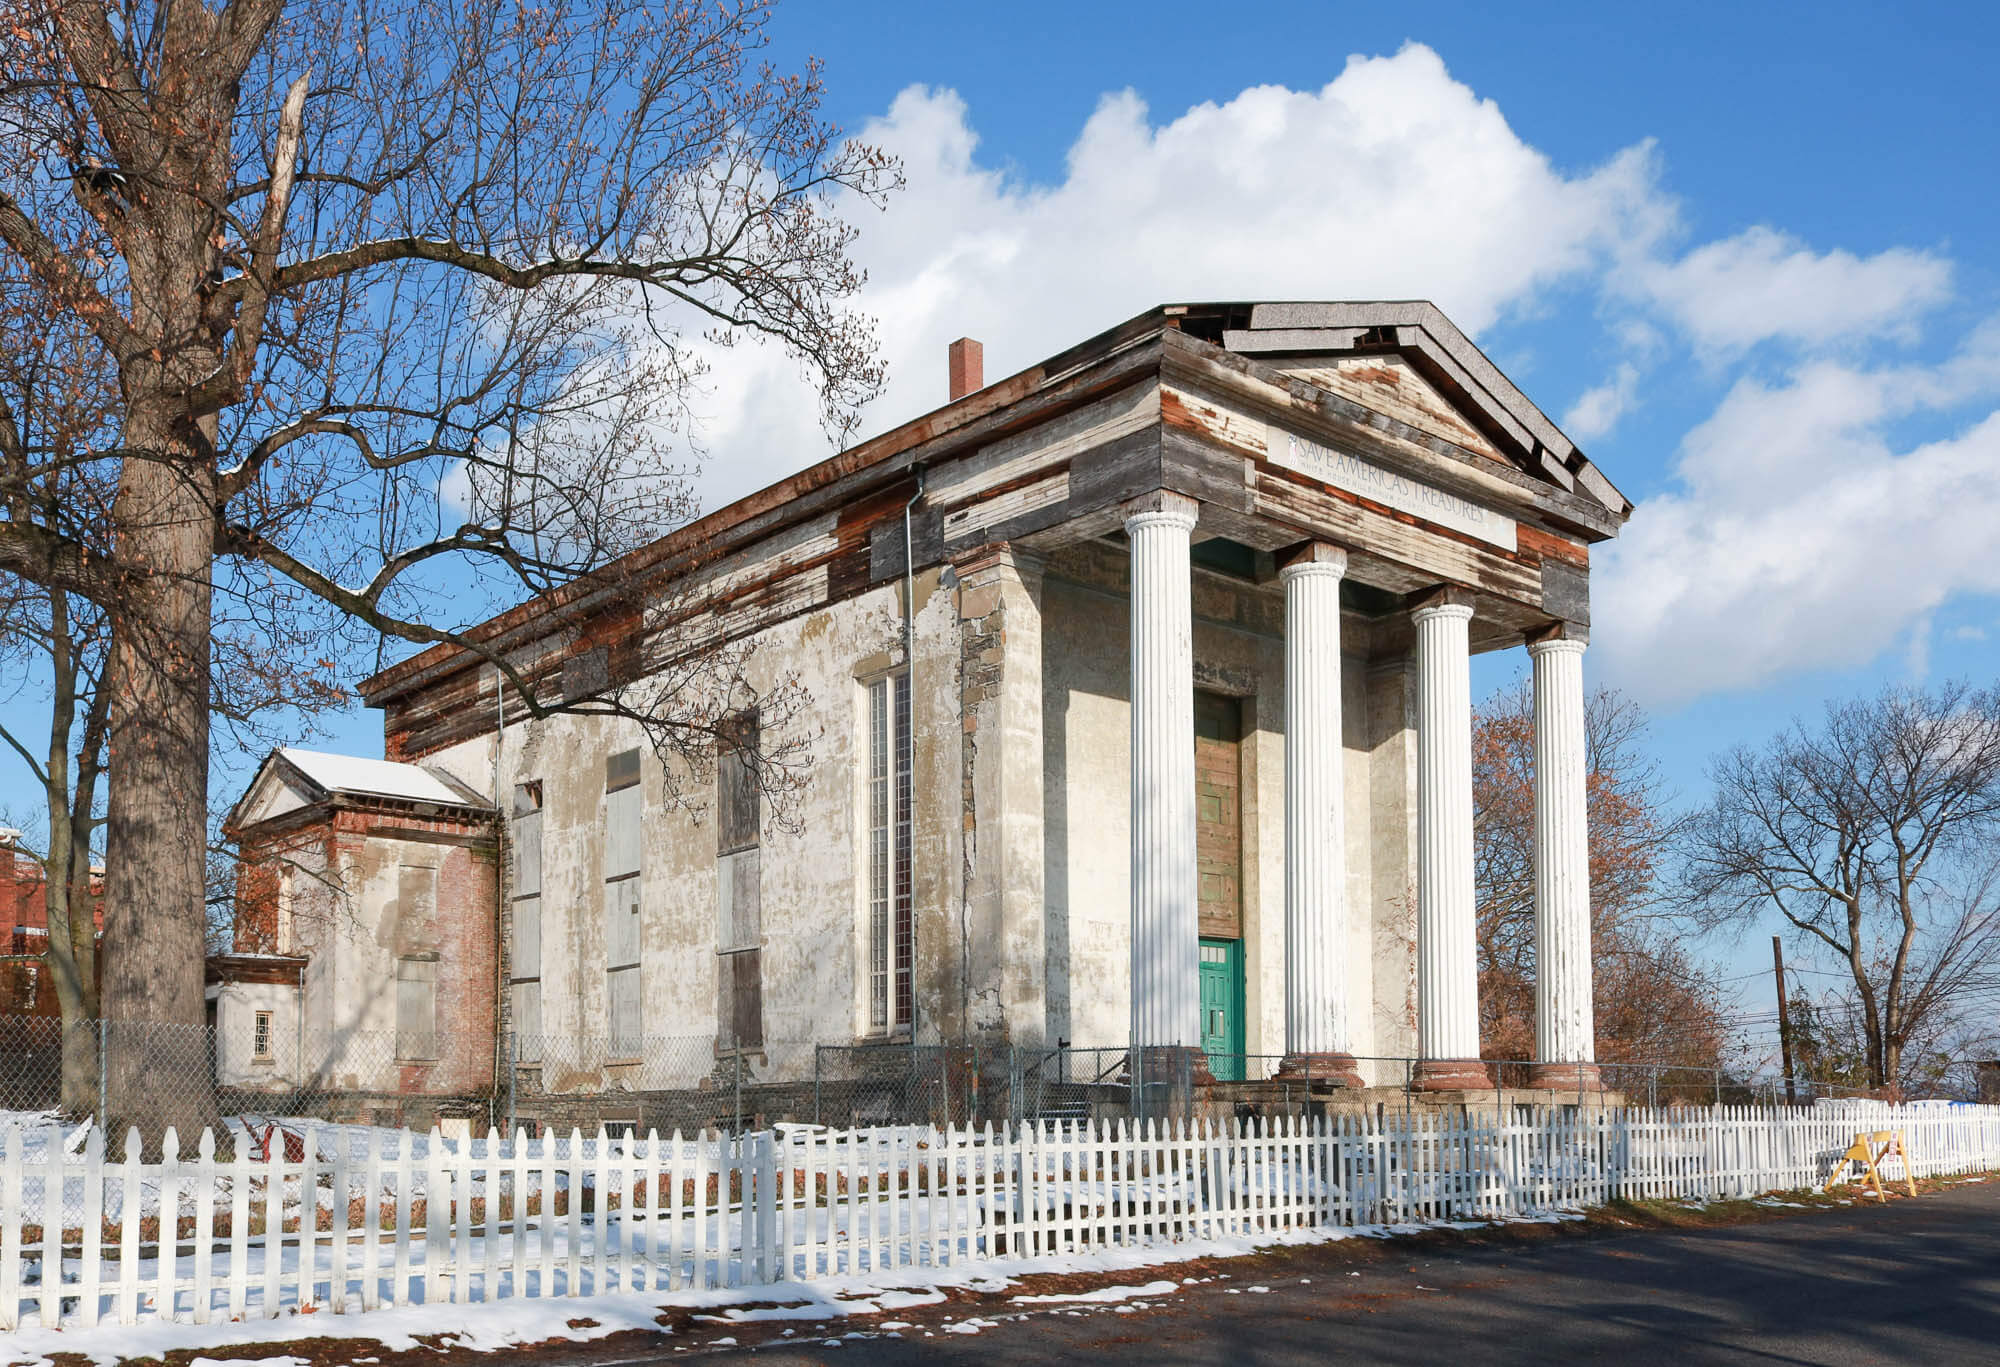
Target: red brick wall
[(351, 839), (463, 932), (27, 988)]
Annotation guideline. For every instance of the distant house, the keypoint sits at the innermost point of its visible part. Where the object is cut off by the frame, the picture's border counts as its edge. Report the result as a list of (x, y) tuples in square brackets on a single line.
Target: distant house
[(26, 986), (1138, 683), (365, 936)]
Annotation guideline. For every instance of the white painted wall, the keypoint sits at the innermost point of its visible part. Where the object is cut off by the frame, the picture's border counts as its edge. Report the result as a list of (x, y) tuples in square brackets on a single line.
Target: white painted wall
[(237, 1063), (813, 889)]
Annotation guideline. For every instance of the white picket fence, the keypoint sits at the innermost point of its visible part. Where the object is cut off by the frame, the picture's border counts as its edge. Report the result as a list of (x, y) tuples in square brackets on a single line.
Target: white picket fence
[(356, 1219)]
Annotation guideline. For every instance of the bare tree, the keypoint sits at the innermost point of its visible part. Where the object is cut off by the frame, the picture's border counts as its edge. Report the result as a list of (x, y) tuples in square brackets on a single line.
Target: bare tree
[(56, 403), (403, 303), (1873, 836), (57, 408), (1655, 1003)]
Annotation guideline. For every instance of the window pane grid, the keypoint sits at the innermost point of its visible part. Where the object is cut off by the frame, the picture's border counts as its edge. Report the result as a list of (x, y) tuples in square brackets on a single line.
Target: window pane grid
[(878, 855), (904, 873)]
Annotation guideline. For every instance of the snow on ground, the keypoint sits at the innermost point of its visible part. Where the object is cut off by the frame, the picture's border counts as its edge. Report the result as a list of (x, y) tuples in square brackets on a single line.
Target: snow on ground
[(507, 1323), (1102, 1294)]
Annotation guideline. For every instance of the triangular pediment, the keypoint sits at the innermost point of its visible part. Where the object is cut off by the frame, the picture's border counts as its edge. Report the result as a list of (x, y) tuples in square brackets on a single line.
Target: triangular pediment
[(276, 791), (1407, 361), (1390, 385)]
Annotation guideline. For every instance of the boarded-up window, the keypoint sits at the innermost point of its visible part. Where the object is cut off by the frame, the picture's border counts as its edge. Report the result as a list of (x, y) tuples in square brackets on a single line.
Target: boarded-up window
[(416, 908), (623, 942), (528, 1020), (739, 1005), (622, 811), (527, 839), (738, 923), (621, 923), (527, 939), (621, 770), (737, 799), (622, 987), (740, 989), (416, 1009), (891, 939), (525, 949)]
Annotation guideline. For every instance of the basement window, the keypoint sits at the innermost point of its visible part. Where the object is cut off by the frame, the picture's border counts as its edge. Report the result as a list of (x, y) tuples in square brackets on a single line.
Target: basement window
[(260, 1037)]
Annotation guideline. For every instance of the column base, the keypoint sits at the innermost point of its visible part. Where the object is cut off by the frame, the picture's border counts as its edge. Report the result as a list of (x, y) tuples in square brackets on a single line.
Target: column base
[(1452, 1075), (1331, 1070), (1565, 1077), (1170, 1064)]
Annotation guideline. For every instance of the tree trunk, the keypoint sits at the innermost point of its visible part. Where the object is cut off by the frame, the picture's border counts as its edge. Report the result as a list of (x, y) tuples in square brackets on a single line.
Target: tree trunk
[(157, 1055), (72, 951)]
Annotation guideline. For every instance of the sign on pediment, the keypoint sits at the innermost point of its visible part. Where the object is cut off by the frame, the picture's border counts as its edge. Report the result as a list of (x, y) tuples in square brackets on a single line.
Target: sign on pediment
[(1391, 489)]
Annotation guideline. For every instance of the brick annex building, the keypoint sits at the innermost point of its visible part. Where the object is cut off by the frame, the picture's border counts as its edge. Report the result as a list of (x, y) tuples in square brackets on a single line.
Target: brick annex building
[(1154, 730), (27, 987)]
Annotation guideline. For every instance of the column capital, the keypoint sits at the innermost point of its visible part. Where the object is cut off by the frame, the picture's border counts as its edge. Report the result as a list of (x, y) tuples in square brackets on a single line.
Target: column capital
[(1445, 600), (1567, 632), (1161, 508), (1315, 557), (1556, 645), (1442, 602)]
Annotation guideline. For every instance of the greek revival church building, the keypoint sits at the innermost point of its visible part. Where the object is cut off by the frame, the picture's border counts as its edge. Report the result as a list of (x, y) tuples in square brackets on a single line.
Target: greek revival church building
[(1136, 688)]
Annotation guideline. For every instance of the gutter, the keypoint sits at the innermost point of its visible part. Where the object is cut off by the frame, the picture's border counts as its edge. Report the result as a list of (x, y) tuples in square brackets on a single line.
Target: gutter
[(910, 736)]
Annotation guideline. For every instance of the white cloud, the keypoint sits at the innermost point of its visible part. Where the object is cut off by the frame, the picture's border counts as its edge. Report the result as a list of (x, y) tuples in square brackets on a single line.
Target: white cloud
[(1804, 534), (1762, 285), (1917, 655), (1393, 181), (1598, 410), (1799, 528)]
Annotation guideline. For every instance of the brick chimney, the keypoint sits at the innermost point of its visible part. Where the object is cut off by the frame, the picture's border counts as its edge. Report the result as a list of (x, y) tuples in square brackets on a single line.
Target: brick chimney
[(967, 360)]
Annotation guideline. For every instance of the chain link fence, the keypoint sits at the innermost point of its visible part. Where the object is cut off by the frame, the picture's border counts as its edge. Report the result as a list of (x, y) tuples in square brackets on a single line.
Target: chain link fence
[(688, 1083)]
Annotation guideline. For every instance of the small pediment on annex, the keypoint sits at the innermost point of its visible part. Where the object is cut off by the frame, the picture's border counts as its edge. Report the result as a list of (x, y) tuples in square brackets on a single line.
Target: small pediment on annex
[(1408, 362), (291, 779), (277, 790)]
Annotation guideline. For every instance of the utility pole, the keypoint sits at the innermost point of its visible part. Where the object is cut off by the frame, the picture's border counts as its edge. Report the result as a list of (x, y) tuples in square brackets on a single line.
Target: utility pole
[(1784, 1018)]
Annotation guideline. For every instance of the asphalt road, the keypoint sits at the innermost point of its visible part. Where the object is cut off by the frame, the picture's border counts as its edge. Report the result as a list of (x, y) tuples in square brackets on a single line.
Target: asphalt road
[(1918, 1282)]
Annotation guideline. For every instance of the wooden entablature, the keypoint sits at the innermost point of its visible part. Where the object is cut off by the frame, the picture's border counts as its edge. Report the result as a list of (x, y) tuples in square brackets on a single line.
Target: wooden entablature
[(1199, 399)]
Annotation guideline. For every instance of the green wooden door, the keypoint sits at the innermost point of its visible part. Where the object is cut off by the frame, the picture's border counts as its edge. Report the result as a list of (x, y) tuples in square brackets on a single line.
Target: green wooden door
[(1222, 1007)]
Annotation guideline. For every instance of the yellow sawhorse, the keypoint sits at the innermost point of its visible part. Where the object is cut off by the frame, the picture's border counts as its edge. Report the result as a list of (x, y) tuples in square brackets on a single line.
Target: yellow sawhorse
[(1868, 1151)]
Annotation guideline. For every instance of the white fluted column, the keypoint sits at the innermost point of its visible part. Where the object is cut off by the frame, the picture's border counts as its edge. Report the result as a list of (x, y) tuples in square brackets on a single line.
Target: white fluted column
[(1565, 1029), (1166, 936), (1447, 968), (1318, 1032)]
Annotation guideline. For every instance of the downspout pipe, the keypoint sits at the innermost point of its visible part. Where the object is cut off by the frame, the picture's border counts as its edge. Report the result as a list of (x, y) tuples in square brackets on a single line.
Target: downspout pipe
[(909, 729), (500, 946)]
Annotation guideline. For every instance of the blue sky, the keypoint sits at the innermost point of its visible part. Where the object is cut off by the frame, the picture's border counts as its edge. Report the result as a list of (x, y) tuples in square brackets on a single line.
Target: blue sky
[(1746, 254), (1841, 151)]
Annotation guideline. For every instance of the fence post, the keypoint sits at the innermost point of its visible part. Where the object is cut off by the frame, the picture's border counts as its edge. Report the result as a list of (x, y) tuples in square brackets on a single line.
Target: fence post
[(103, 1056), (513, 1082), (816, 1049), (737, 1090)]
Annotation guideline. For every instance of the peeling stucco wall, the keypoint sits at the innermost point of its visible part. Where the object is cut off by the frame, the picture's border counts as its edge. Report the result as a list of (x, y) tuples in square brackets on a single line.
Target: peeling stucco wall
[(1021, 837), (812, 891)]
